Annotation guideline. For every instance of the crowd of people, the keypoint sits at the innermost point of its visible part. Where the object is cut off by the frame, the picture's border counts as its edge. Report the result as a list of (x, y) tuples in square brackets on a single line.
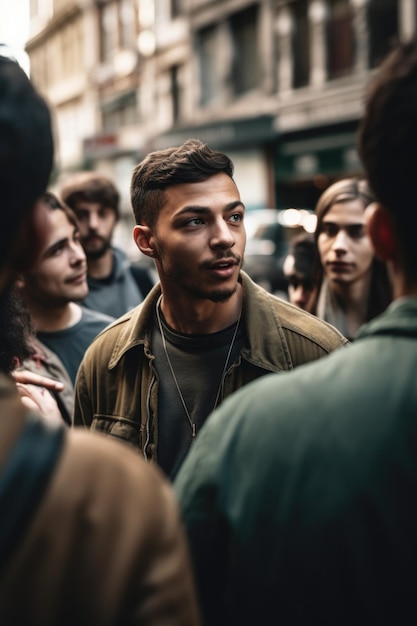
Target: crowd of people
[(193, 449)]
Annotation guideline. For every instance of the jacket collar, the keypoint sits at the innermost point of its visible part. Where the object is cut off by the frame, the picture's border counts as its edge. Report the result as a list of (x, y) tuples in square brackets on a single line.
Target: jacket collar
[(400, 318), (260, 318), (136, 326), (266, 345)]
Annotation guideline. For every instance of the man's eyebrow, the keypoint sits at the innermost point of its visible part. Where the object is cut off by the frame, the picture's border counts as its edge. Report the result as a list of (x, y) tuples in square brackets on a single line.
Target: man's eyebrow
[(203, 210)]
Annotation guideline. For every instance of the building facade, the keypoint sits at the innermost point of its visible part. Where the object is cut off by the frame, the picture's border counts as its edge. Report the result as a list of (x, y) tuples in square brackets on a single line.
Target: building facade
[(277, 84)]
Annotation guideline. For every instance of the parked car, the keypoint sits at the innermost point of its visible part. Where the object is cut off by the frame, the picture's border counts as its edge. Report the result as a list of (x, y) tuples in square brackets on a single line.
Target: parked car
[(269, 233)]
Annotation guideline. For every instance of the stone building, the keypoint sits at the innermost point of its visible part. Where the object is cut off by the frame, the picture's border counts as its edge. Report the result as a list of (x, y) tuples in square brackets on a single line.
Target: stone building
[(277, 84)]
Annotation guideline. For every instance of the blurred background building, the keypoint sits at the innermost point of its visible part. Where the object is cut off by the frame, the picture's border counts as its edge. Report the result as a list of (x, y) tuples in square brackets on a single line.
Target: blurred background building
[(277, 84)]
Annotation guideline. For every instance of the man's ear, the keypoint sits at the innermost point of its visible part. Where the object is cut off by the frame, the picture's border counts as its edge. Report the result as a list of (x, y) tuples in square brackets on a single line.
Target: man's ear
[(143, 238), (381, 232)]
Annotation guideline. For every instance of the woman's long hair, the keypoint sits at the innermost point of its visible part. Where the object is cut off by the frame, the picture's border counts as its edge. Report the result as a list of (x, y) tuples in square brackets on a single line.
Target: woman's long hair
[(380, 292)]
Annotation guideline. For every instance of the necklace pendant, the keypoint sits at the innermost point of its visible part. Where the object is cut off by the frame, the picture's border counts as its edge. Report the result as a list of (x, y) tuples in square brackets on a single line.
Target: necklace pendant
[(193, 430)]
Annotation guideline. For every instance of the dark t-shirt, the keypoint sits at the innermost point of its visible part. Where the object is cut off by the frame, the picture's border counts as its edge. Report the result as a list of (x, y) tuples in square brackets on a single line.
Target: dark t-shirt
[(71, 343), (198, 362)]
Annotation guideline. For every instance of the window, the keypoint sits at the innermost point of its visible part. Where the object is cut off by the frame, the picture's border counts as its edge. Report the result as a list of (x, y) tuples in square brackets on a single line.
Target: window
[(208, 51), (70, 49), (383, 23), (176, 93), (119, 112), (175, 8), (246, 72), (340, 39), (300, 44)]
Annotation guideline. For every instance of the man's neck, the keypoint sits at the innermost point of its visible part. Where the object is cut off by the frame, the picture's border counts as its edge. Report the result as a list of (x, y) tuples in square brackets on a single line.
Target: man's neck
[(102, 267), (50, 319), (201, 316), (402, 286)]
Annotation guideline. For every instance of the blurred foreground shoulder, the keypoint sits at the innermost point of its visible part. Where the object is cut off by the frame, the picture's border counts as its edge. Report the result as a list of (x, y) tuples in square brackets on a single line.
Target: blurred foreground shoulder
[(115, 542)]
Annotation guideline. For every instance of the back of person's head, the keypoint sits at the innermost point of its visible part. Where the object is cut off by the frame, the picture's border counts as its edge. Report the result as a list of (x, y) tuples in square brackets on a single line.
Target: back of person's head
[(387, 143), (192, 162), (303, 249), (298, 269), (91, 187), (344, 190), (26, 152)]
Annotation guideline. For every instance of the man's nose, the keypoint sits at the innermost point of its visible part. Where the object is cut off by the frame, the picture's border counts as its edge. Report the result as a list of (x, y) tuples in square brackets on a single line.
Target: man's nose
[(93, 221), (221, 235)]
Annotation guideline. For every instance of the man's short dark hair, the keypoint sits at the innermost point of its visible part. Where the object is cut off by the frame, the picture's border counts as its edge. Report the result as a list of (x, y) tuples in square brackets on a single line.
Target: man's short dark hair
[(387, 143), (191, 162), (26, 151), (91, 187)]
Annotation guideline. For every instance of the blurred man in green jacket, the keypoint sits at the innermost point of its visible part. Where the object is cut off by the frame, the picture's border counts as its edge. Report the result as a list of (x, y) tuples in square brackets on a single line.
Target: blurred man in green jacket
[(300, 495)]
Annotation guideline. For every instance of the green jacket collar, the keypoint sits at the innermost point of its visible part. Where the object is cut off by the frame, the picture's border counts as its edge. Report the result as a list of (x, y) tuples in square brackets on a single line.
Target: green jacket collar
[(400, 318)]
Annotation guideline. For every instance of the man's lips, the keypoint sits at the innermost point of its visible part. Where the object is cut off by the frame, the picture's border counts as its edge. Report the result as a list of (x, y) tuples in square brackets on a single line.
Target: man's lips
[(221, 264), (222, 269)]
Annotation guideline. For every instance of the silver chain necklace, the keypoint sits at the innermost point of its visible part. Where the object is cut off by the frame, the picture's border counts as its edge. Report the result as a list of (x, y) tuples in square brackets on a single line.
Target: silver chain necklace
[(229, 352)]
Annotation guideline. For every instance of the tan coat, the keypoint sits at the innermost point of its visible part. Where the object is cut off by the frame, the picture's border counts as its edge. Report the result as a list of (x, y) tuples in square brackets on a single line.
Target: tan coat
[(105, 545), (117, 390)]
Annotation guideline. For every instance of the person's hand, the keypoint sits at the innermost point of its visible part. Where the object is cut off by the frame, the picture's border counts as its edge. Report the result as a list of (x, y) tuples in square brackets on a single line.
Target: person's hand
[(27, 377), (40, 400)]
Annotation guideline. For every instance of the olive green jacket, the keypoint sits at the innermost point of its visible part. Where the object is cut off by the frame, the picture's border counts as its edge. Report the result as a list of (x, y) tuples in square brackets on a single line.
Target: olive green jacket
[(117, 387)]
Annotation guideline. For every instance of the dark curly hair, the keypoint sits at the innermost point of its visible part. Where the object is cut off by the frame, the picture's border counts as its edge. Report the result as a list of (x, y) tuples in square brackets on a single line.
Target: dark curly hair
[(16, 331)]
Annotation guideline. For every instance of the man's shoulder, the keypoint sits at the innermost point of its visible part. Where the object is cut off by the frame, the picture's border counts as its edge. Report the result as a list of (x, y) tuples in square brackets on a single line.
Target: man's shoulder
[(270, 312), (304, 324)]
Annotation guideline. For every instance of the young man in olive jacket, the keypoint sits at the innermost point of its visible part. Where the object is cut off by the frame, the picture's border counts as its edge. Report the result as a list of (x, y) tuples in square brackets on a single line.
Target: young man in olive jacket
[(300, 495), (205, 330), (90, 533)]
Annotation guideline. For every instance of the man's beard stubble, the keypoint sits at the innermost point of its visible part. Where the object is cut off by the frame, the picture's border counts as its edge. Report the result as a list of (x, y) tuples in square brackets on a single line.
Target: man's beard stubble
[(96, 253)]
